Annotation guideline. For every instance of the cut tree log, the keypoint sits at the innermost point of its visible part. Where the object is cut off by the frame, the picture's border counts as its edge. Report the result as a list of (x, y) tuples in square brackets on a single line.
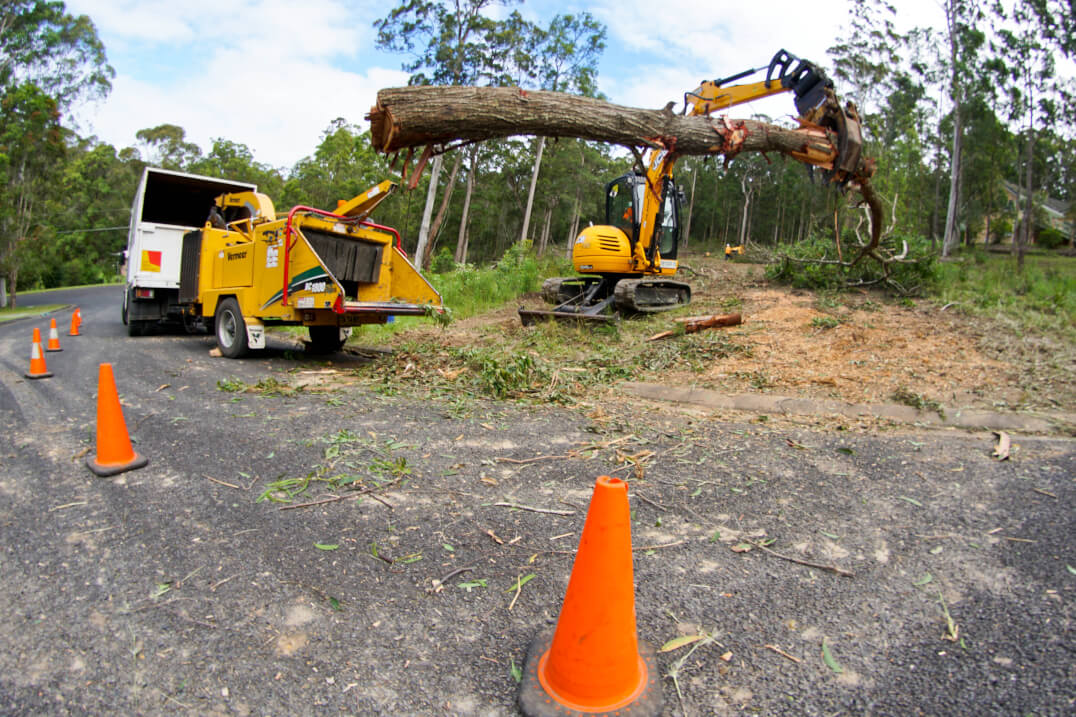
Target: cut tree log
[(408, 117), (698, 323), (441, 118)]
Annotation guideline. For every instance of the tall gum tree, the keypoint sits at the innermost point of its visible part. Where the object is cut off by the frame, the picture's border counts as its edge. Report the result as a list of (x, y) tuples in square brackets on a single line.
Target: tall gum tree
[(963, 43), (449, 42), (567, 55)]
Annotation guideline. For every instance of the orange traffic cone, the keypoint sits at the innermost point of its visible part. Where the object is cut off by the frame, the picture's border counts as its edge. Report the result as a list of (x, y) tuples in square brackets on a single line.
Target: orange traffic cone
[(114, 451), (54, 337), (38, 369), (593, 661), (76, 322)]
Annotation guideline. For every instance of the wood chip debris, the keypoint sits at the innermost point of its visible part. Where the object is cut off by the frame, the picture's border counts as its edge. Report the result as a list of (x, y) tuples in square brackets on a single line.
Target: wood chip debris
[(1003, 447)]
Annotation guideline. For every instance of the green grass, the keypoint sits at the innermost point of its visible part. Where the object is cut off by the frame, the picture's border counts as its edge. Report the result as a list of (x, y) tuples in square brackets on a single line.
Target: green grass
[(469, 290), (21, 313), (1042, 296)]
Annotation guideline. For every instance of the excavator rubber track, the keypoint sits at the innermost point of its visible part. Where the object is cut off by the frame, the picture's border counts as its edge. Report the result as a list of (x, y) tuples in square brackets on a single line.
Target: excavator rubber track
[(603, 300), (647, 296)]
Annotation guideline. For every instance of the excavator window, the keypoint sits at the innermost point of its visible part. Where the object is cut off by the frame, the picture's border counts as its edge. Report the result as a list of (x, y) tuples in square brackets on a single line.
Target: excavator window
[(670, 227), (621, 206)]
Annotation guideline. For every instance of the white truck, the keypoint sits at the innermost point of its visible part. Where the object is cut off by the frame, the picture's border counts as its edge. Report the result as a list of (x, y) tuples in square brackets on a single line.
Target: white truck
[(166, 206)]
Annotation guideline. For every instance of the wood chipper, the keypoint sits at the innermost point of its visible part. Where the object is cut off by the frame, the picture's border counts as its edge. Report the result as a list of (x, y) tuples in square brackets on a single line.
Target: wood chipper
[(244, 269)]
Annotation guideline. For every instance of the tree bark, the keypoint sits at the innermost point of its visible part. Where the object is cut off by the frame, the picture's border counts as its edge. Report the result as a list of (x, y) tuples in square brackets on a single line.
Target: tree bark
[(530, 191), (427, 212), (690, 207), (407, 117), (956, 165), (438, 116), (461, 239), (446, 199)]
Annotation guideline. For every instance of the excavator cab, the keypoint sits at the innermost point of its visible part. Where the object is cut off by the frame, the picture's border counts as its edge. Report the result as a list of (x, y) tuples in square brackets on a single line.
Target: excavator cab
[(625, 204)]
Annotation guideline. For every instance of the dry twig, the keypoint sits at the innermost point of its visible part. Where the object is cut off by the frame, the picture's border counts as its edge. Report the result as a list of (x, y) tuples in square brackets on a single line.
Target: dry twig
[(532, 509), (831, 568)]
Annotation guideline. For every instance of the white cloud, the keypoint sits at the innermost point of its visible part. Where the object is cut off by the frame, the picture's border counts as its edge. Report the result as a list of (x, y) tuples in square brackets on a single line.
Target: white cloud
[(317, 27), (702, 39), (265, 73), (278, 112)]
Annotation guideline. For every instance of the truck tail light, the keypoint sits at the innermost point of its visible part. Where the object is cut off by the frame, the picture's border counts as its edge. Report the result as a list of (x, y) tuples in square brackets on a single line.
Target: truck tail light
[(143, 293)]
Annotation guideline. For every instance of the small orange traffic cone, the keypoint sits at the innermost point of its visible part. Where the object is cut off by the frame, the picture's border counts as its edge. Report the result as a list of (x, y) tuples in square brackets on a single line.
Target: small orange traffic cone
[(593, 661), (76, 322), (114, 451), (54, 337), (38, 369)]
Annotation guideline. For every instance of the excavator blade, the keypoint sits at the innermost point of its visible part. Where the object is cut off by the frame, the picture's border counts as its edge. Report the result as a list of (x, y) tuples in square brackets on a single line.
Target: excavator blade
[(529, 317)]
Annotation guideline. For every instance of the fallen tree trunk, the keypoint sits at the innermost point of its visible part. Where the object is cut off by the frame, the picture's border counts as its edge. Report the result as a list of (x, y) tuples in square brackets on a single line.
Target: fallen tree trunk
[(408, 117), (441, 118)]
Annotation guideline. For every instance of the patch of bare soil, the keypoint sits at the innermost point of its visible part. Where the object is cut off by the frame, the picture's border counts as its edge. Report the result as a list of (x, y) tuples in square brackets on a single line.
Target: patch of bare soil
[(860, 348), (866, 348)]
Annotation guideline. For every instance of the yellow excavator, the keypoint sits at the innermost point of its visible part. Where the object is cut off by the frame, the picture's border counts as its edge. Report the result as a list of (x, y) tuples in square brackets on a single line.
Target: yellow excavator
[(628, 262)]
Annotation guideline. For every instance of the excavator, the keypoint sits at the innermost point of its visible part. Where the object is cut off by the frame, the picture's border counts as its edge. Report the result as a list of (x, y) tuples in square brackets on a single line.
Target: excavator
[(627, 264)]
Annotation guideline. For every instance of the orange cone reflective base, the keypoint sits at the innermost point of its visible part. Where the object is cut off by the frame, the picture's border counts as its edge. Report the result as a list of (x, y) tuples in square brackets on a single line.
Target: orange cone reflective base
[(38, 368), (593, 662), (114, 451)]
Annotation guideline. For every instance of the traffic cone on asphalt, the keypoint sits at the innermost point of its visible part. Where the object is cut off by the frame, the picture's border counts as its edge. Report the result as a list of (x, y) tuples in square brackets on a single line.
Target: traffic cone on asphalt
[(593, 661), (76, 322), (114, 451), (54, 337), (38, 369)]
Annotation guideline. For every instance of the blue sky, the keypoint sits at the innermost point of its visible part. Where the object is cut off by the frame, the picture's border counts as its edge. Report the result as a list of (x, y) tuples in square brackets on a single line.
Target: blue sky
[(272, 74)]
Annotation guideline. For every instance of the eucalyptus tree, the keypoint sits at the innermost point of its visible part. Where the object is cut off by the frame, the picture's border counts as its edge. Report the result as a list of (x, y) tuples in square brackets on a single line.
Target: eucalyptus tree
[(60, 53), (48, 59), (566, 56), (1037, 33), (865, 61), (166, 146), (449, 43), (31, 147), (964, 39), (342, 165)]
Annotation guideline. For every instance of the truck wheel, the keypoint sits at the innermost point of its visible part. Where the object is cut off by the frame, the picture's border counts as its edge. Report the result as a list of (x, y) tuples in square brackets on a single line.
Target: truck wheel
[(126, 299), (231, 330), (325, 340)]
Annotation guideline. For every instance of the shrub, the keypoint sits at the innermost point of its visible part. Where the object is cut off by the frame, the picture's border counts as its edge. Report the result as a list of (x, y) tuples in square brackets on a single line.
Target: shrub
[(443, 261), (1051, 238), (799, 266)]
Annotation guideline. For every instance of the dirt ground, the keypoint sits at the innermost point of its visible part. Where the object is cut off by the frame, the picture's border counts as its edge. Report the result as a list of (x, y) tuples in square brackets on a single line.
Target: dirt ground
[(865, 348), (862, 347)]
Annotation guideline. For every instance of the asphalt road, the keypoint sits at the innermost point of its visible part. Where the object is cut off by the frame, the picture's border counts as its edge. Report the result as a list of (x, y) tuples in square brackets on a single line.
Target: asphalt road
[(175, 589)]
